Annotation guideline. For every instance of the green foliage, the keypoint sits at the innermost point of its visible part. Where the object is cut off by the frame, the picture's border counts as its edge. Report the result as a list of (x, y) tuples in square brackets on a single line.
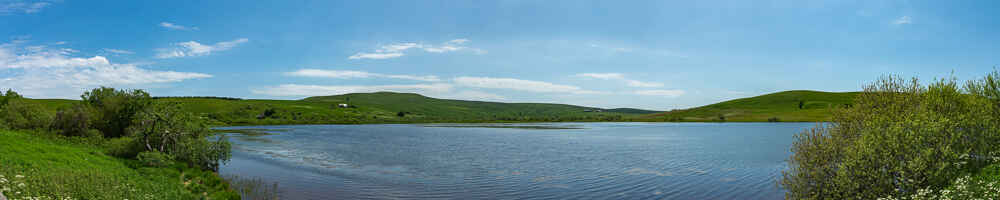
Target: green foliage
[(166, 128), (154, 159), (897, 138), (983, 185), (123, 147), (74, 121), (43, 166), (791, 106), (19, 113), (115, 108)]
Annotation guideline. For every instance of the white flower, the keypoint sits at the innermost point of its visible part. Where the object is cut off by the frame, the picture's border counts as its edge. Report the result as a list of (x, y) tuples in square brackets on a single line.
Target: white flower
[(18, 176)]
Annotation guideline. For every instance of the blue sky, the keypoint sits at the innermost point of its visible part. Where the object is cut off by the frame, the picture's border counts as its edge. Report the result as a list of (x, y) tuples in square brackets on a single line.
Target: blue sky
[(645, 54)]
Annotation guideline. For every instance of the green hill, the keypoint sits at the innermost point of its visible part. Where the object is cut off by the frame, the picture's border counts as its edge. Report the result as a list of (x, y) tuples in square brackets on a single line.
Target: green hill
[(432, 109), (379, 107), (390, 107), (781, 106)]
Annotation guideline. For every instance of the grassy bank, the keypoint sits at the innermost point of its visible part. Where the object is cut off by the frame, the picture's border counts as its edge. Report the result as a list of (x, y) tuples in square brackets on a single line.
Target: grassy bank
[(45, 166)]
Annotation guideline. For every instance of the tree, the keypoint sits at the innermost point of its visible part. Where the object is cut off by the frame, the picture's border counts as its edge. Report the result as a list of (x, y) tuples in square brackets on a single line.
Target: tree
[(73, 121), (401, 114), (165, 128), (897, 138), (115, 109)]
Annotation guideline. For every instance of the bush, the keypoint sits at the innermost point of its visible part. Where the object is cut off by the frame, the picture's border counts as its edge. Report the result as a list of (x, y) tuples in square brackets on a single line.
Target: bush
[(773, 119), (165, 128), (123, 147), (17, 113), (115, 109), (154, 159), (73, 121), (898, 138)]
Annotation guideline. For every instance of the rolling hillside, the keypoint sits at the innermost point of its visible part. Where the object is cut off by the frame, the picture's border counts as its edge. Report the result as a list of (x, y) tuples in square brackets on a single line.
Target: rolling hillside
[(379, 107), (390, 107), (780, 106), (432, 109)]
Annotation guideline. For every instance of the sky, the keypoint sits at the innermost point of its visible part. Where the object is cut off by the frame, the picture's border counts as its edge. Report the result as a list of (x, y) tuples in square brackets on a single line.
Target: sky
[(658, 55)]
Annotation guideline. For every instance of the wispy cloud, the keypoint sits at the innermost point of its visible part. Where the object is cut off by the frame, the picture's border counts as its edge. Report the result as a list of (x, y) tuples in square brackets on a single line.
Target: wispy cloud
[(173, 26), (638, 50), (317, 90), (44, 72), (666, 93), (347, 74), (903, 20), (117, 51), (192, 48), (17, 6), (399, 49), (620, 77), (520, 85)]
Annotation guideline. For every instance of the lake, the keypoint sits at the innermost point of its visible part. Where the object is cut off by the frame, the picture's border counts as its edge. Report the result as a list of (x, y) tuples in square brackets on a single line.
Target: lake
[(519, 161)]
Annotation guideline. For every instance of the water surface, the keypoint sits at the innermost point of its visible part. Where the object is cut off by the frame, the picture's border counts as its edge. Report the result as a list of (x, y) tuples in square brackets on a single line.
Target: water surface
[(463, 161)]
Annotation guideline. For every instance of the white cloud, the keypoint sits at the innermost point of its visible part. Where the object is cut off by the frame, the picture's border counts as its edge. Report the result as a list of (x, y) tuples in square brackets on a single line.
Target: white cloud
[(374, 56), (605, 76), (173, 26), (40, 72), (347, 74), (320, 90), (117, 51), (398, 49), (16, 6), (192, 48), (620, 77), (903, 20), (518, 84), (666, 93)]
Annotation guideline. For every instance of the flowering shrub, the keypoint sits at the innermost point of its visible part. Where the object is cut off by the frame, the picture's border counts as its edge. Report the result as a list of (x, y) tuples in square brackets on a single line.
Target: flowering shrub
[(901, 139)]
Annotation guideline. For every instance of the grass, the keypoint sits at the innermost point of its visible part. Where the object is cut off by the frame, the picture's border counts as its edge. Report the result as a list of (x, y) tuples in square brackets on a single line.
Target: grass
[(42, 166), (782, 106)]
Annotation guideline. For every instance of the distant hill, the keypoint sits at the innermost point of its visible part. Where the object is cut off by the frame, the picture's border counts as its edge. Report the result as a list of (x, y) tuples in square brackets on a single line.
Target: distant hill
[(379, 107), (631, 111), (446, 109), (780, 106), (391, 107)]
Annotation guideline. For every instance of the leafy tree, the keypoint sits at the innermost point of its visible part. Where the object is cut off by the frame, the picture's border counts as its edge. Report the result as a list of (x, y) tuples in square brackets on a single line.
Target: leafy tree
[(166, 129), (899, 137), (115, 109)]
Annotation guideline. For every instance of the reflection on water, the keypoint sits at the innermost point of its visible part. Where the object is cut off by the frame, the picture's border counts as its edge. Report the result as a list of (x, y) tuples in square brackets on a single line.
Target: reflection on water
[(589, 161)]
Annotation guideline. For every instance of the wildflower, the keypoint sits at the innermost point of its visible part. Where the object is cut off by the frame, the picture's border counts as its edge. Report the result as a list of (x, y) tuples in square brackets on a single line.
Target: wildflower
[(18, 176)]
